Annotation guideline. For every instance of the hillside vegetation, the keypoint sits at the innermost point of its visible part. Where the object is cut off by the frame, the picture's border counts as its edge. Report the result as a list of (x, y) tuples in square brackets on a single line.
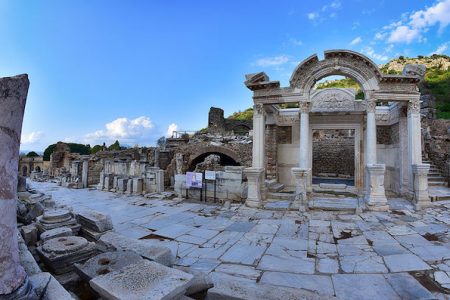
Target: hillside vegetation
[(437, 82)]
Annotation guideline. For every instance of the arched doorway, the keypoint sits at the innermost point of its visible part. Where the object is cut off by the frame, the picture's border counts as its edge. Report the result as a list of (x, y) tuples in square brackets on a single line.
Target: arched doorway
[(38, 169)]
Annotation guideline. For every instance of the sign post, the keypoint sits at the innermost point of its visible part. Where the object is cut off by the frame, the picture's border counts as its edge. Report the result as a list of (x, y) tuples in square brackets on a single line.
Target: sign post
[(194, 180), (211, 175)]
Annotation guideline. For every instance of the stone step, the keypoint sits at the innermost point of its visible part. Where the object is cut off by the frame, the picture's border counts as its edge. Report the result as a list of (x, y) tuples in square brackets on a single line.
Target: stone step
[(347, 204), (435, 177), (276, 204), (276, 187), (280, 196), (437, 183)]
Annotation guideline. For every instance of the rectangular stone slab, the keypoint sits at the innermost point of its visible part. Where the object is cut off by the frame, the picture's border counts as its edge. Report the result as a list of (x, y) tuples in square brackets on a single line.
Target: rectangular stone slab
[(142, 281)]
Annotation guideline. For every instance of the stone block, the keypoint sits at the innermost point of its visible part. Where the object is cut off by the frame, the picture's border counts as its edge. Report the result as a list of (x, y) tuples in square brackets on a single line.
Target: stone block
[(48, 288), (112, 241), (137, 185), (94, 220), (144, 280), (56, 218), (29, 234), (106, 263), (57, 232)]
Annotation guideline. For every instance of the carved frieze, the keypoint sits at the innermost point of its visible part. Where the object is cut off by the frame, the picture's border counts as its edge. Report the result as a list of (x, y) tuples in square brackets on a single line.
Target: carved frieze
[(305, 107), (413, 107), (328, 100), (371, 106), (258, 108)]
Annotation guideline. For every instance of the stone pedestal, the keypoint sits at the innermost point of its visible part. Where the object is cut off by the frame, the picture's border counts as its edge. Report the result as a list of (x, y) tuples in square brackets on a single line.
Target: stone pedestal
[(421, 197), (301, 176), (375, 195), (255, 180), (137, 186), (121, 185), (13, 96)]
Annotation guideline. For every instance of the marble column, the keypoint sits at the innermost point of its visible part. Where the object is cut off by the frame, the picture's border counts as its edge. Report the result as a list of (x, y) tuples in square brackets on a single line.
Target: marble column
[(255, 174), (421, 197), (259, 133), (13, 96), (414, 139), (375, 193), (302, 173)]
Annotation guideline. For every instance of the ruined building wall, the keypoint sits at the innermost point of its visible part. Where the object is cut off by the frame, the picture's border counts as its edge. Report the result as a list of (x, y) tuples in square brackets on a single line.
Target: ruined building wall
[(95, 166), (334, 155), (271, 152)]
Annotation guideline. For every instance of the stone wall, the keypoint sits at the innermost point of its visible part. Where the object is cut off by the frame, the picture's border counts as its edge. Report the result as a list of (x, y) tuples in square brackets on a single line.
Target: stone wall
[(230, 185), (334, 155), (217, 124), (271, 152), (437, 145)]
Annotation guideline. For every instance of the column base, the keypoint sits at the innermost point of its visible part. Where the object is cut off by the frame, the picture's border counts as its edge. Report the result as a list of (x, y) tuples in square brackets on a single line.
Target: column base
[(25, 291), (255, 184), (301, 178), (375, 195)]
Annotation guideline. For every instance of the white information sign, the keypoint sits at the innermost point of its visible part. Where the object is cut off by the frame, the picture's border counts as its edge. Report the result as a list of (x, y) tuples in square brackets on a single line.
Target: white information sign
[(194, 180), (210, 175)]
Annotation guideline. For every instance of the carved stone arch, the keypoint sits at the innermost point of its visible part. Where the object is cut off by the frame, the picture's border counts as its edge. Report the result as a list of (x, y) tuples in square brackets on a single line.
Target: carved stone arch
[(223, 152), (337, 62)]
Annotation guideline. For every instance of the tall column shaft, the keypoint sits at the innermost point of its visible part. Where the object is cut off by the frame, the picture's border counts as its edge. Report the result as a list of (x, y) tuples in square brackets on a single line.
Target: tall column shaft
[(371, 134), (414, 139), (304, 139), (13, 95), (258, 136)]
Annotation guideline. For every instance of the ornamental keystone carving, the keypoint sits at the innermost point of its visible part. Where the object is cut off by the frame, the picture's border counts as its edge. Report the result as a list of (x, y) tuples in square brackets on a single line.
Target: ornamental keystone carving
[(333, 100)]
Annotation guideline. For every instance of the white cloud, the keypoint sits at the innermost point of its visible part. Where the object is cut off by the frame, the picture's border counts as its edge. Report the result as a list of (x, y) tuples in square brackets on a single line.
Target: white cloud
[(441, 49), (312, 16), (370, 52), (404, 34), (31, 138), (295, 42), (355, 25), (412, 26), (271, 61), (356, 41), (172, 127), (123, 129)]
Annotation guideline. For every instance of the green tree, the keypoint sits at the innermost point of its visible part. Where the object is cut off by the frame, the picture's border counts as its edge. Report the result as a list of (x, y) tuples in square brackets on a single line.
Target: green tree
[(32, 154), (96, 148), (115, 146), (161, 142), (48, 151)]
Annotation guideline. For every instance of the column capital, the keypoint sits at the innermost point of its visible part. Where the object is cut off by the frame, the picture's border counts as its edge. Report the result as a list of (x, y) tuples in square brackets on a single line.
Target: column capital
[(413, 107), (371, 105), (258, 108), (304, 106)]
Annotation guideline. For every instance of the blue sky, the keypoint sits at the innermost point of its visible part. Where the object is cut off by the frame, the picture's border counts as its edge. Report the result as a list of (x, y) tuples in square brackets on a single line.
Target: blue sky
[(127, 70)]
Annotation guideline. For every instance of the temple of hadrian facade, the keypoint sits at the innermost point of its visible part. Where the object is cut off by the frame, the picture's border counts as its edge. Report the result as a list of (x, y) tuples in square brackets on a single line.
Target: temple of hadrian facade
[(390, 108)]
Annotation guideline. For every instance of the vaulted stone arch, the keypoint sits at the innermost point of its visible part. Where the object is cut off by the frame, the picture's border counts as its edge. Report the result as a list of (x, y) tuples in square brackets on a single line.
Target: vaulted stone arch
[(200, 154), (337, 62)]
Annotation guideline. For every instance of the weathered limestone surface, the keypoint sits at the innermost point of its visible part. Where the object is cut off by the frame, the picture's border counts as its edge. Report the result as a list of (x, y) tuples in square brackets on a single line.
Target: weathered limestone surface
[(142, 281), (13, 96), (114, 241), (106, 263)]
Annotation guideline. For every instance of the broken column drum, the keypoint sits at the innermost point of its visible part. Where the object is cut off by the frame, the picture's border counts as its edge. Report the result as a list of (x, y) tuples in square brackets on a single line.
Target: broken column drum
[(13, 96)]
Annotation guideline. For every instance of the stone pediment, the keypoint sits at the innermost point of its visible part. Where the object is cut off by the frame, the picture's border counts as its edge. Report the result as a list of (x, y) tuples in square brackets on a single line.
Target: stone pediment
[(333, 100)]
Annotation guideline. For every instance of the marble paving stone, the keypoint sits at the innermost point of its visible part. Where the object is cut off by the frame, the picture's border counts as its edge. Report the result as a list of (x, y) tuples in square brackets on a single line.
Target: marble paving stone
[(327, 265), (431, 253), (204, 265), (208, 252), (413, 240), (239, 271), (407, 287), (134, 232), (379, 237), (405, 263), (400, 230), (203, 233), (389, 249), (363, 287), (243, 254), (241, 226), (352, 250), (326, 248), (265, 228), (187, 238), (320, 284), (144, 280), (362, 264), (356, 240), (287, 264), (227, 287), (173, 231)]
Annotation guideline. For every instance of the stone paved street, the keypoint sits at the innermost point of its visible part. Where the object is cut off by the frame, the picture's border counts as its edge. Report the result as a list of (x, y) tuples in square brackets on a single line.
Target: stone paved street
[(367, 256)]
